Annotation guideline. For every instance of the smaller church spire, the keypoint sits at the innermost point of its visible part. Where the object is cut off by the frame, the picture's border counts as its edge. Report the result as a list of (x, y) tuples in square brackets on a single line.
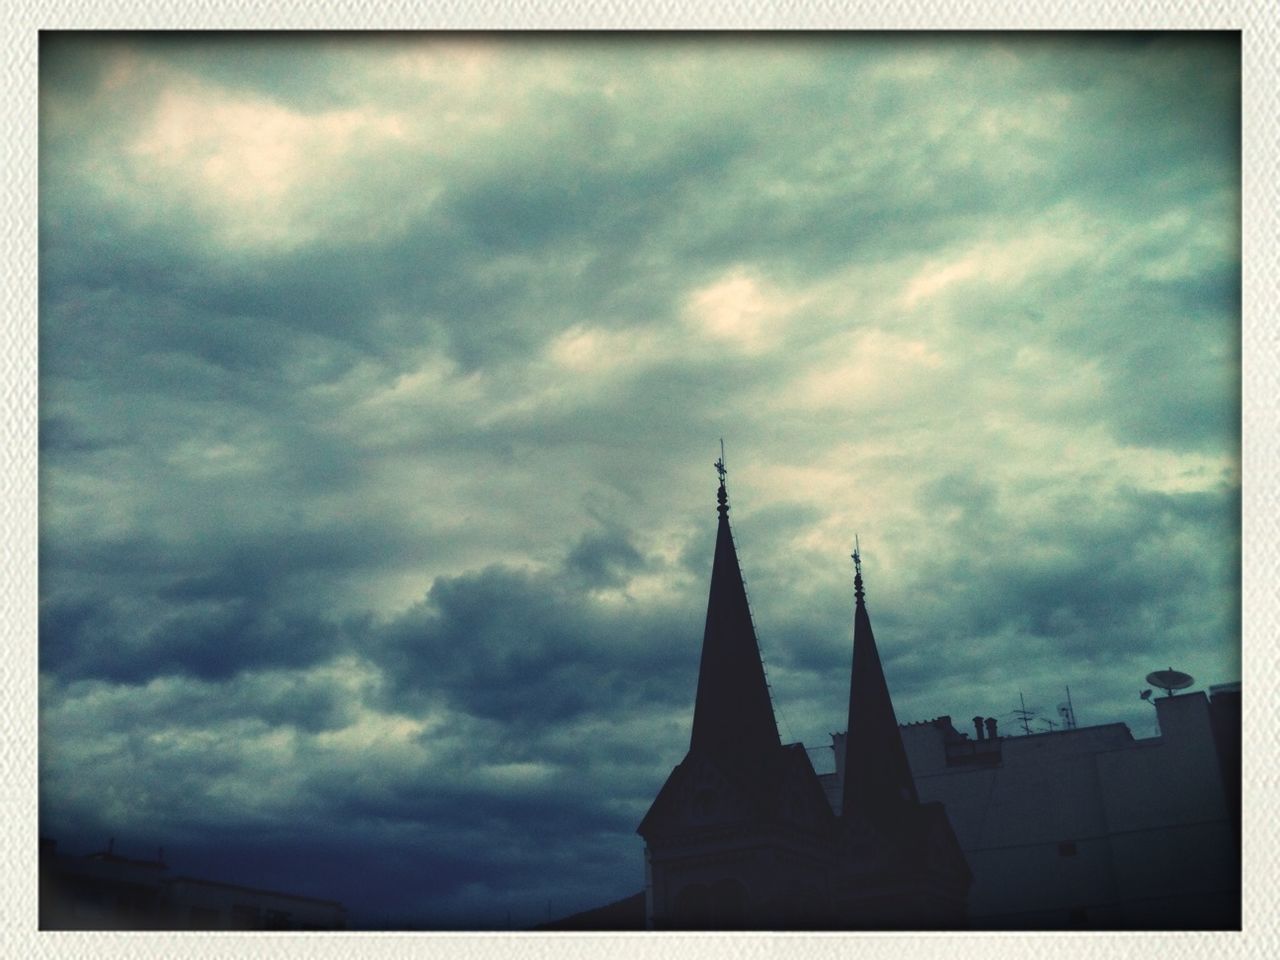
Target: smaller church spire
[(877, 777)]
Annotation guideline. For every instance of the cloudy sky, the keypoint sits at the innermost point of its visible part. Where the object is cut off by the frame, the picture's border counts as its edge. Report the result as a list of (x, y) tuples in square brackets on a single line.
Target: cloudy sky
[(381, 381)]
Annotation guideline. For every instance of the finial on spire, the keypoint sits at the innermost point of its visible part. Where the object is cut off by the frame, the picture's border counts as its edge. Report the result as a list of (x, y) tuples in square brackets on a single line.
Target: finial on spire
[(722, 495), (857, 570)]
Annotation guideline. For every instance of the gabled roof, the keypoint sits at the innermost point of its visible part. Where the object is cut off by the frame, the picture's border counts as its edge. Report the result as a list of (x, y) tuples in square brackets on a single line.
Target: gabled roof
[(707, 792), (877, 779), (732, 712)]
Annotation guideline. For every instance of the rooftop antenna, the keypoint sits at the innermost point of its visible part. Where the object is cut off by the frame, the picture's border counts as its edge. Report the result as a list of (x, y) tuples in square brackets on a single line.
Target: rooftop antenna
[(1024, 714), (1067, 712), (1170, 680)]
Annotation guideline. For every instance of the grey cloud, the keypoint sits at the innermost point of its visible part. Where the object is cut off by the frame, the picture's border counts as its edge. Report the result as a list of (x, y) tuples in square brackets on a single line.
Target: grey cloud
[(90, 636), (604, 558), (525, 648), (1144, 584)]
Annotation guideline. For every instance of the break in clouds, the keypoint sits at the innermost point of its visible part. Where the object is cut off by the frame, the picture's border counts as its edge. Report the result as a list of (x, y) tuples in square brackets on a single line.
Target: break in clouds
[(381, 378)]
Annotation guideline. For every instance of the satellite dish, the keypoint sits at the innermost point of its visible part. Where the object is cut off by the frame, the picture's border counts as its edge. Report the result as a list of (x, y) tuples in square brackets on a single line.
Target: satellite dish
[(1169, 680)]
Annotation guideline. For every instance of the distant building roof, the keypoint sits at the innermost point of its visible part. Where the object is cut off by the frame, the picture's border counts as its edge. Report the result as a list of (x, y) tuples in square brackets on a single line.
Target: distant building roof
[(624, 914)]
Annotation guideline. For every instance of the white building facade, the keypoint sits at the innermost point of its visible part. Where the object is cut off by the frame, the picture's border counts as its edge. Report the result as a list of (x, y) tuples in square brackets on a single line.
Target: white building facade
[(1089, 827)]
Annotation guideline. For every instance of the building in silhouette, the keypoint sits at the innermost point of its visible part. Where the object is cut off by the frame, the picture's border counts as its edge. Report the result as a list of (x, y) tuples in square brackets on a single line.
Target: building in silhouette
[(1088, 827), (742, 835), (920, 825), (107, 891), (925, 825)]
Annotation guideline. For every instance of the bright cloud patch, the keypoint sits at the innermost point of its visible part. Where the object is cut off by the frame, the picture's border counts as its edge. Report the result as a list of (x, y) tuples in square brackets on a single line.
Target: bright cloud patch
[(739, 312), (265, 174)]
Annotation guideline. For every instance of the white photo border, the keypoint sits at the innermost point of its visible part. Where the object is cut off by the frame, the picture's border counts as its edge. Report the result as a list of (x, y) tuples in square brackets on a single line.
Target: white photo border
[(1257, 22)]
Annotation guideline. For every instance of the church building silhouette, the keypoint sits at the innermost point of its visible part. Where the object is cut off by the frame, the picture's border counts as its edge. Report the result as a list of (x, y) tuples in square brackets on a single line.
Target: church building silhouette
[(742, 836)]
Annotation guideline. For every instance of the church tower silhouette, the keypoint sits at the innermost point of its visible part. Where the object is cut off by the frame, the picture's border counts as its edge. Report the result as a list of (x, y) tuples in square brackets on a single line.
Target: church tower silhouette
[(741, 835)]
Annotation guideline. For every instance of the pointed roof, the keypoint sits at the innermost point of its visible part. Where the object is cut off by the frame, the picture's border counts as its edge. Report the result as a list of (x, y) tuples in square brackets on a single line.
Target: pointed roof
[(877, 779), (780, 785), (733, 712)]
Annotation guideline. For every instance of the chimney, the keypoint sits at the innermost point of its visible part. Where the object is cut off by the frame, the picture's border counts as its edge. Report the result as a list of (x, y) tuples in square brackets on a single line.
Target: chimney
[(977, 726), (991, 728)]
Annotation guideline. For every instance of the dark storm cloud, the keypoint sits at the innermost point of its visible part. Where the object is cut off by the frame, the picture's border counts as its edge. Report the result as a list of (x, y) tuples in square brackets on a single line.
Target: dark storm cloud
[(1072, 557), (1098, 594), (124, 294), (537, 793), (1205, 408), (533, 650), (203, 598), (603, 558), (95, 635), (520, 652)]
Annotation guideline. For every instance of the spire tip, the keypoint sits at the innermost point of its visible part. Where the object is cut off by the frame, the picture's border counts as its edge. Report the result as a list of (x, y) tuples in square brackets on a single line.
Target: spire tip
[(857, 569), (722, 495)]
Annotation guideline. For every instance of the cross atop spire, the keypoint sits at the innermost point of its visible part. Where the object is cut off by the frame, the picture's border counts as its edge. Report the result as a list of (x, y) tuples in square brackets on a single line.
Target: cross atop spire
[(857, 571), (722, 495)]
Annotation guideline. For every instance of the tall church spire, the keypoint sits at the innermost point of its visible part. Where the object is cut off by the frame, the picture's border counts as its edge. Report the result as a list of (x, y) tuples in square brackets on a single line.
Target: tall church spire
[(733, 712), (877, 779)]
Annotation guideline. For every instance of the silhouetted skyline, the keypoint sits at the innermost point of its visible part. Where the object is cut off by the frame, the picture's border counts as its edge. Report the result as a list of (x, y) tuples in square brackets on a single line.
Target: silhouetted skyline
[(381, 380)]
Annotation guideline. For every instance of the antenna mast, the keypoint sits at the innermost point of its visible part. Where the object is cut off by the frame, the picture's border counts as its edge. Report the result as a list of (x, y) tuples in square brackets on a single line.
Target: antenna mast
[(1024, 714)]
